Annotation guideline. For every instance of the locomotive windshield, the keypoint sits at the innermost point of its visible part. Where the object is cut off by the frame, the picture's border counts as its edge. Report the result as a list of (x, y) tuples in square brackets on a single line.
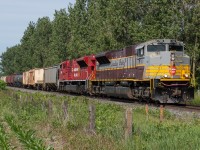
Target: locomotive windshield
[(155, 48), (175, 48)]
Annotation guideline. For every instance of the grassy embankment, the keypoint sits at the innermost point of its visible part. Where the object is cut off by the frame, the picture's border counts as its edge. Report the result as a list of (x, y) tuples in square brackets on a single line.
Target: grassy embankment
[(28, 123)]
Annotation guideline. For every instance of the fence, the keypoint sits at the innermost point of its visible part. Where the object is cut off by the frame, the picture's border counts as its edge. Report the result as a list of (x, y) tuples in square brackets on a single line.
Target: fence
[(128, 113)]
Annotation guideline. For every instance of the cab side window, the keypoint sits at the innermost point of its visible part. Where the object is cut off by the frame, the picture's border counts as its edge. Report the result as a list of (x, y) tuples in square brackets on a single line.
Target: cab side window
[(140, 52)]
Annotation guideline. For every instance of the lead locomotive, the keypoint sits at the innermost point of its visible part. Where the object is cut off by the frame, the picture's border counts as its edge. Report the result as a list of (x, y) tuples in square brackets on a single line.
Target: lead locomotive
[(156, 70)]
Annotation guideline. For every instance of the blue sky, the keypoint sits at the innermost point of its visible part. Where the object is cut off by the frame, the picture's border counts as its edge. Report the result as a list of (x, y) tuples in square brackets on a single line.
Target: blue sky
[(15, 16)]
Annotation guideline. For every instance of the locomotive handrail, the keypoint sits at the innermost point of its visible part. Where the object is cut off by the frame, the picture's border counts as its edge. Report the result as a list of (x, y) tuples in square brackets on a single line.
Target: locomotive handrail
[(88, 77)]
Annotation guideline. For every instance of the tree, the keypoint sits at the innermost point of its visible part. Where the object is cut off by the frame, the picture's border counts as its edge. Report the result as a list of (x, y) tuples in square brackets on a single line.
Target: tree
[(78, 44), (28, 47), (192, 35), (41, 40), (60, 36)]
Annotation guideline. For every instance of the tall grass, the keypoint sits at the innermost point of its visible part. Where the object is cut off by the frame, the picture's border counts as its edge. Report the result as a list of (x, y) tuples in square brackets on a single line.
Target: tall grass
[(4, 139), (31, 113), (2, 85), (26, 138)]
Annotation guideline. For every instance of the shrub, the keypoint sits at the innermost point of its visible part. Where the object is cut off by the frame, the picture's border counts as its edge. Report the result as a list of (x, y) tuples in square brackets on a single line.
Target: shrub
[(2, 85)]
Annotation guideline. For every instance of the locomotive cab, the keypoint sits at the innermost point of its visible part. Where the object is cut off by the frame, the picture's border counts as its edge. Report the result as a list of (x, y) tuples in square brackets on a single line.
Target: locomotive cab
[(168, 69)]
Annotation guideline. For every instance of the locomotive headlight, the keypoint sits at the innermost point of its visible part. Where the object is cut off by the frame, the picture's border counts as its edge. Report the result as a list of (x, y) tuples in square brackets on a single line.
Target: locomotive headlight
[(165, 75), (172, 56), (186, 75)]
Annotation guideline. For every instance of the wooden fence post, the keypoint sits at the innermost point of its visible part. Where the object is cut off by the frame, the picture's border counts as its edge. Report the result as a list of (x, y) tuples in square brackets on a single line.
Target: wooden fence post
[(43, 105), (161, 113), (128, 123), (92, 118), (65, 110)]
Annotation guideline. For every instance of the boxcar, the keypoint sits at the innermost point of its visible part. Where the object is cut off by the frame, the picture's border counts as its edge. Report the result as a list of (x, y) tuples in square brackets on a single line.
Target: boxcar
[(36, 78), (50, 78), (31, 78), (25, 79), (39, 78)]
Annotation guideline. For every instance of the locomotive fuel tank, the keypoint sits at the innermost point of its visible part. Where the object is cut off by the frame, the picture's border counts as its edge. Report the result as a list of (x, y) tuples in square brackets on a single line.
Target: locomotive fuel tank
[(120, 92)]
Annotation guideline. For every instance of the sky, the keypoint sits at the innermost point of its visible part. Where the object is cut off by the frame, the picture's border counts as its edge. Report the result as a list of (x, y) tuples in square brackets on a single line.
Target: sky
[(15, 16)]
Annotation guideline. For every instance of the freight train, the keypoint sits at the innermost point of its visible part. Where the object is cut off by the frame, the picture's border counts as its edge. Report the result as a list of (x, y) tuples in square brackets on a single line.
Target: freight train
[(156, 70)]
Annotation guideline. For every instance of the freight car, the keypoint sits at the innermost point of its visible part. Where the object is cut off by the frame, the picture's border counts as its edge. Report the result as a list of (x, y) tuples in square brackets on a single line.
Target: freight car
[(17, 80), (13, 80), (3, 78), (33, 78), (50, 78), (156, 70), (25, 79), (9, 80)]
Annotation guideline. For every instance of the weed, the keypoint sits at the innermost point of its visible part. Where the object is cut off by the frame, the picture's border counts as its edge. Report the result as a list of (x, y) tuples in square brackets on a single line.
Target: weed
[(4, 139), (2, 85), (27, 138), (148, 133)]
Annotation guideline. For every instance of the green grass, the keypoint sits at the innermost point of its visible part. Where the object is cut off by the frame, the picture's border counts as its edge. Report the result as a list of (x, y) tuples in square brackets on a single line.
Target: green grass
[(32, 124), (4, 139), (2, 85), (196, 100), (26, 137)]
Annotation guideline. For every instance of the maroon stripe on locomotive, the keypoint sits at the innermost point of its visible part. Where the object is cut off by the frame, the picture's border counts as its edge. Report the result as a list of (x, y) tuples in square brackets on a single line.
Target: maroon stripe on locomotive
[(134, 72)]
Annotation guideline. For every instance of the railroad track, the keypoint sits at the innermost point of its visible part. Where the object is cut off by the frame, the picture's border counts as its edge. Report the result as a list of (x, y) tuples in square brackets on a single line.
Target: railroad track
[(184, 108), (124, 102)]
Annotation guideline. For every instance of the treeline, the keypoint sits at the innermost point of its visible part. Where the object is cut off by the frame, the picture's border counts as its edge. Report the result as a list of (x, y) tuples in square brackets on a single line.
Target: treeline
[(92, 26)]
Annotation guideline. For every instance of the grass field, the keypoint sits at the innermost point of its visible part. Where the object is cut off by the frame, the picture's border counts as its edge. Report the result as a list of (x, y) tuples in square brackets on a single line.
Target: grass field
[(196, 100), (37, 122)]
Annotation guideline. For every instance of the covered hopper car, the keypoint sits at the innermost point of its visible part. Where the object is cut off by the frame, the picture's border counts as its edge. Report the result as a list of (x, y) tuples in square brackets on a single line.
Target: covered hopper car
[(50, 78)]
